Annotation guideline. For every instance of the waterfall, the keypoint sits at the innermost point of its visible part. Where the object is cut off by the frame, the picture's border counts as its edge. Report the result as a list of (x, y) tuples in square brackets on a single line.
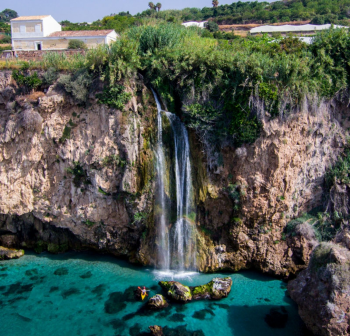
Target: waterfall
[(163, 236), (177, 240)]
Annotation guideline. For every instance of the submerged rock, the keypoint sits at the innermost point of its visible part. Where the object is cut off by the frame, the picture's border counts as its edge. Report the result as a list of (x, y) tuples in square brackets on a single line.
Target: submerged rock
[(176, 291), (156, 330), (157, 302), (216, 289), (6, 253), (277, 318)]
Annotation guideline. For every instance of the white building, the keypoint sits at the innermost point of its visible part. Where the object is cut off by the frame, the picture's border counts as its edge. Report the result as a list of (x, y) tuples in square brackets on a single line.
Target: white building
[(43, 32), (195, 23), (308, 29)]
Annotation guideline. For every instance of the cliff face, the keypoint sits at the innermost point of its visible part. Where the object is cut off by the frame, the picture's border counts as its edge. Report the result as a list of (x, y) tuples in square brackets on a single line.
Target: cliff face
[(261, 187), (72, 176), (82, 177)]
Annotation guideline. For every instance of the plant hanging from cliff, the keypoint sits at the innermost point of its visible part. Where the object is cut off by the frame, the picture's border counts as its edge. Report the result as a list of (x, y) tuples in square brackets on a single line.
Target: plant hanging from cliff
[(80, 175), (77, 84), (115, 97), (24, 78)]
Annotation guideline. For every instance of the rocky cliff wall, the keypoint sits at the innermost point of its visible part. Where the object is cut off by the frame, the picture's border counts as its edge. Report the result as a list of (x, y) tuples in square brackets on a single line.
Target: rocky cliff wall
[(74, 176), (82, 177), (246, 203)]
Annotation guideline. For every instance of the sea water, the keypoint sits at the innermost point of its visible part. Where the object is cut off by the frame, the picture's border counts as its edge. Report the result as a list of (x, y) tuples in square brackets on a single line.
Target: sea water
[(87, 294)]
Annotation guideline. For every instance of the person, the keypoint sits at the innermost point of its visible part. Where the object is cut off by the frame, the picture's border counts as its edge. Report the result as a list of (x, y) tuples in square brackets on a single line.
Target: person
[(143, 292)]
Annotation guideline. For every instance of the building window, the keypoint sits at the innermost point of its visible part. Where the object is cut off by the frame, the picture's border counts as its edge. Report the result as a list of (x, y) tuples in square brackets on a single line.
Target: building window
[(38, 28), (22, 29)]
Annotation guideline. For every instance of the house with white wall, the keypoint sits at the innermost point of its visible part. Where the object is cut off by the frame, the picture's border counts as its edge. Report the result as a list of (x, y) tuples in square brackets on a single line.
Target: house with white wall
[(43, 32), (307, 29), (195, 24)]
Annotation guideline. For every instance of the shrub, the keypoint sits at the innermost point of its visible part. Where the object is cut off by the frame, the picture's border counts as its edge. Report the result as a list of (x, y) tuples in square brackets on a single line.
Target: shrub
[(77, 85), (321, 256), (76, 44), (80, 175), (157, 38), (114, 96), (5, 40), (24, 78), (212, 26), (50, 76), (112, 160)]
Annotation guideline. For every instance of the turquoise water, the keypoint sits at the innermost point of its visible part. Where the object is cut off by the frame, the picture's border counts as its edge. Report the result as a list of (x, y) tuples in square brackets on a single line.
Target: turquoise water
[(72, 294)]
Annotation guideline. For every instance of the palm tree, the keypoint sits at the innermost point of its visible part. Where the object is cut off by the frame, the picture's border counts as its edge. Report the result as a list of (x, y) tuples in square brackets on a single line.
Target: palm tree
[(152, 6), (159, 6), (215, 3)]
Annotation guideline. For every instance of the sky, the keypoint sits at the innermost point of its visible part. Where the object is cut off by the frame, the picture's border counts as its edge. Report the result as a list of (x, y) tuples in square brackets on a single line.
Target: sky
[(91, 10)]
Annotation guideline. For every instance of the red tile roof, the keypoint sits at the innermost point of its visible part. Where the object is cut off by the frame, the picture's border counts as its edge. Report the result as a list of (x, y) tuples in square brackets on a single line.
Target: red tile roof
[(81, 33)]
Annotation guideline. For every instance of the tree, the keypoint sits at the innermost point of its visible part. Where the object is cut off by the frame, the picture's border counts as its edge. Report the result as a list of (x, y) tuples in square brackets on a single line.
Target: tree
[(212, 26), (152, 6), (159, 6), (76, 44), (215, 3), (7, 15)]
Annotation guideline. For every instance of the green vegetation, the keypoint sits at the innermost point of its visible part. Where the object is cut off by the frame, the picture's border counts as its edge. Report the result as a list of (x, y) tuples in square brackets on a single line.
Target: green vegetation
[(5, 39), (76, 44), (320, 225), (30, 81), (65, 134), (114, 97), (340, 172), (77, 84), (319, 11), (101, 191), (113, 160), (80, 175), (216, 85), (321, 256), (89, 223), (139, 217)]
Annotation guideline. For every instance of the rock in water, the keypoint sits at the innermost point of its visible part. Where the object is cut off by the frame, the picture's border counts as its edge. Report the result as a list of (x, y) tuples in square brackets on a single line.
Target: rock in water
[(176, 291), (6, 253), (156, 330), (216, 289), (157, 302), (322, 291)]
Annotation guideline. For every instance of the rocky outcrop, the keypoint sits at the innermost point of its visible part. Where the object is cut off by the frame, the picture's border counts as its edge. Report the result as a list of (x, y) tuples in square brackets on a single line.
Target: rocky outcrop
[(216, 289), (176, 291), (6, 253), (322, 291), (157, 302), (247, 201), (75, 177)]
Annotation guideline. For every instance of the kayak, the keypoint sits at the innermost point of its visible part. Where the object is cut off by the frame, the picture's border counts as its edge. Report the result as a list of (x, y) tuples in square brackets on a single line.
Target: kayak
[(143, 295)]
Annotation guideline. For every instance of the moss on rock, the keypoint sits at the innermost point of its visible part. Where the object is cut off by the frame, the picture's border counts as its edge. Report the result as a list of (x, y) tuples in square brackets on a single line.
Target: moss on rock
[(176, 291)]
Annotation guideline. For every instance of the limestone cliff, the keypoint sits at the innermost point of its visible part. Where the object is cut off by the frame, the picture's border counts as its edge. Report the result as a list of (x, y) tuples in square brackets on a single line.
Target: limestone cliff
[(246, 203), (75, 177)]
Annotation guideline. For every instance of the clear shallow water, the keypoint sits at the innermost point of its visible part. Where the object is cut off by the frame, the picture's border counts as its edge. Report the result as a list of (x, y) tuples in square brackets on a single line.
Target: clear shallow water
[(70, 294)]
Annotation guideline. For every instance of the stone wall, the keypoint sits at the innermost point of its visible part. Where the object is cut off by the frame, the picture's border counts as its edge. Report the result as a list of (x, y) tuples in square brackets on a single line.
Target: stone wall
[(31, 55)]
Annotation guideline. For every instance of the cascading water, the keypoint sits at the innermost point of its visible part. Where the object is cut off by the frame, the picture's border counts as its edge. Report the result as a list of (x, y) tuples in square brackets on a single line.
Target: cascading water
[(163, 236), (177, 240)]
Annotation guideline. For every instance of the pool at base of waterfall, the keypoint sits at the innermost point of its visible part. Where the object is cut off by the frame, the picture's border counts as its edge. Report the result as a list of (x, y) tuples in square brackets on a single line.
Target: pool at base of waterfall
[(88, 294)]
